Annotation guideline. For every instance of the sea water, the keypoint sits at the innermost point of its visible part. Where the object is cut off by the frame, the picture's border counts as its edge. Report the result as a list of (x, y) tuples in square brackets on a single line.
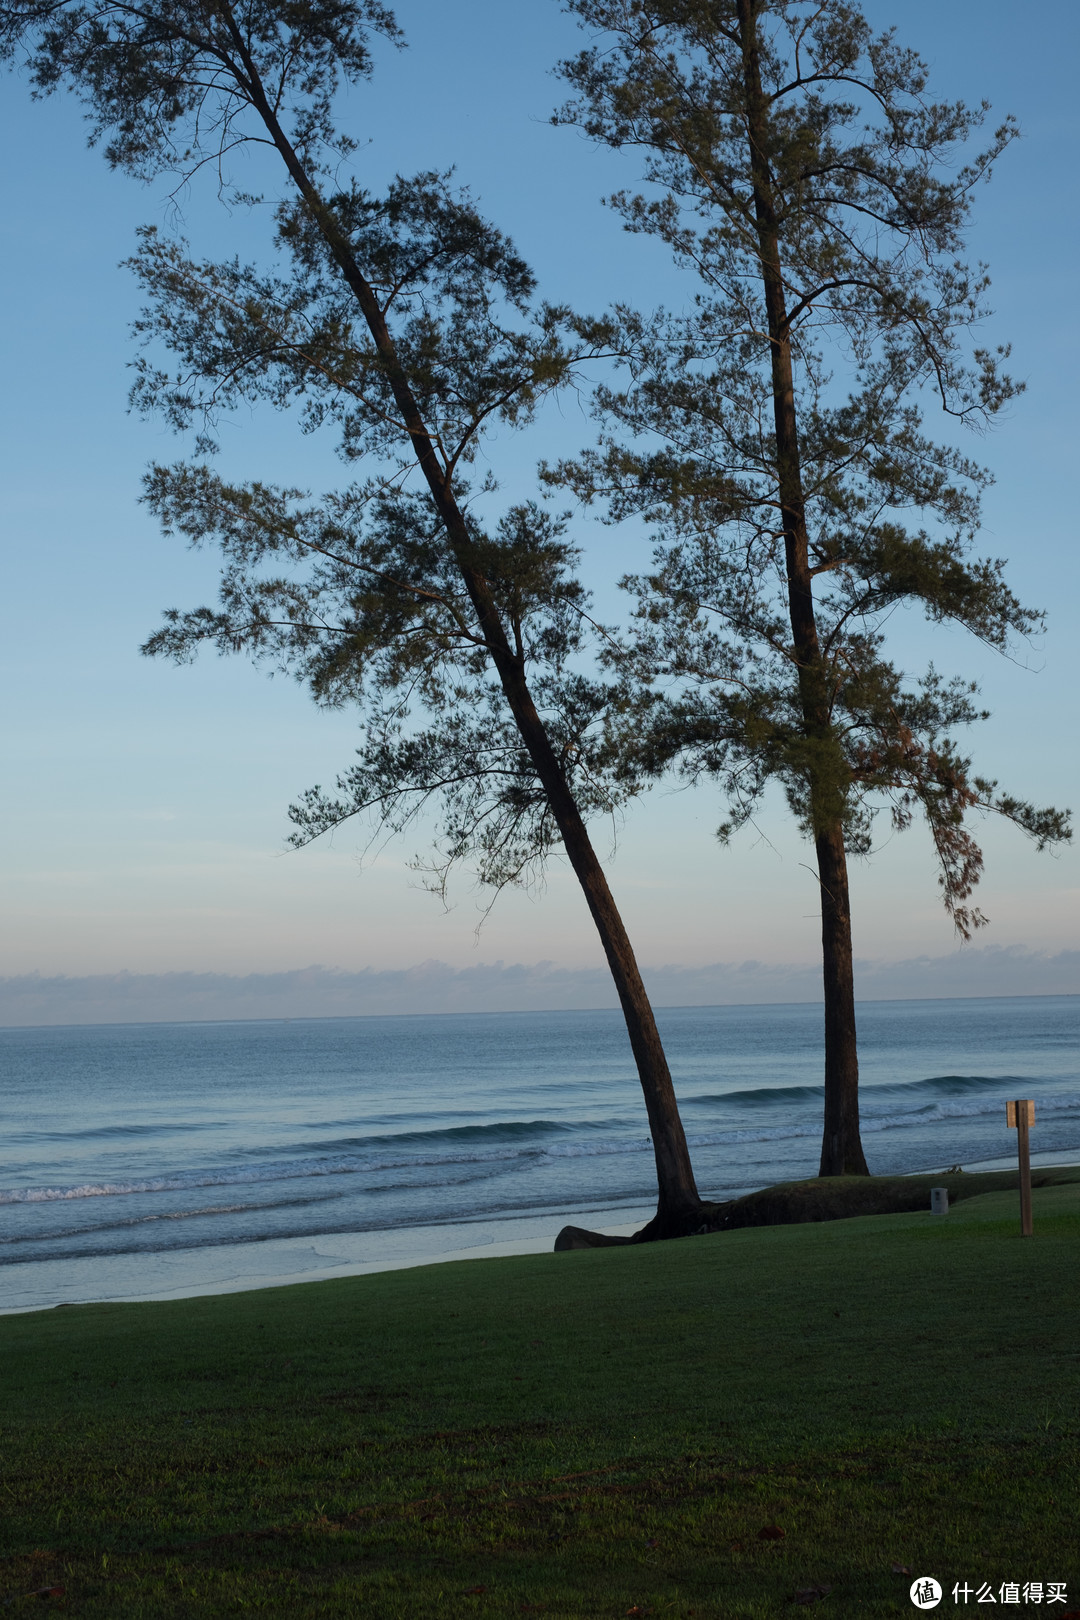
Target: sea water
[(157, 1159)]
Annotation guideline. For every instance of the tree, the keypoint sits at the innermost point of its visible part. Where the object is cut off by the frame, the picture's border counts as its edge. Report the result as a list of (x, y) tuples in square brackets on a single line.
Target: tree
[(798, 167), (412, 324)]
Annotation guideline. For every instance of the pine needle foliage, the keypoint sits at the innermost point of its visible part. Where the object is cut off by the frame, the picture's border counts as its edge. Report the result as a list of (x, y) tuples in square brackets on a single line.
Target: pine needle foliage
[(410, 325), (355, 593), (773, 435)]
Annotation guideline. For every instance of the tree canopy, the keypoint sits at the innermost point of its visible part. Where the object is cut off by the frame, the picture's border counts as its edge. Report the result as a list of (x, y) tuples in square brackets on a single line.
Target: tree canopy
[(773, 434), (411, 325)]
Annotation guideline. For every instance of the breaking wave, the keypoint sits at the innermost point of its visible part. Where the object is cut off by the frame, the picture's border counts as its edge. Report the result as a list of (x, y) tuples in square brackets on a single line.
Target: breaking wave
[(507, 1141)]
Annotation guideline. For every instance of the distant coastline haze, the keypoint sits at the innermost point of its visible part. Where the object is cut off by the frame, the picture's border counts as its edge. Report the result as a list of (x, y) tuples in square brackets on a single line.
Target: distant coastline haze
[(493, 987)]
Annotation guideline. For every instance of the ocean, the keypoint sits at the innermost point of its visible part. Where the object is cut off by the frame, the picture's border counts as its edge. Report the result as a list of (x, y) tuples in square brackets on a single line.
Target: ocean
[(158, 1160)]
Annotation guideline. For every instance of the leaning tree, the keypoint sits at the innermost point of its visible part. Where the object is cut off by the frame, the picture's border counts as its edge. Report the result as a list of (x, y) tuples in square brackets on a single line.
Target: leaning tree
[(773, 435), (412, 324)]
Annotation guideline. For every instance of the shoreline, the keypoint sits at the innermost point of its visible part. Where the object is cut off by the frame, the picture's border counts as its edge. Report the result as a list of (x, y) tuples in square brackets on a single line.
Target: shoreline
[(237, 1268), (249, 1267)]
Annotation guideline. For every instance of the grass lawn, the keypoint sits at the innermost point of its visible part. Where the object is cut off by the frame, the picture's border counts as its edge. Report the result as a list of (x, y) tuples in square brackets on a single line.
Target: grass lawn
[(722, 1427)]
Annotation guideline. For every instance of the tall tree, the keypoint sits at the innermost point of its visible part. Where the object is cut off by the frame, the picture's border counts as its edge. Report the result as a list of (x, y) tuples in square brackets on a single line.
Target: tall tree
[(413, 323), (799, 169)]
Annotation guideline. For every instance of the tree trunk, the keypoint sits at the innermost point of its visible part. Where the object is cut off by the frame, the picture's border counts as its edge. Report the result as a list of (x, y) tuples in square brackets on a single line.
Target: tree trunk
[(841, 1145), (679, 1200), (841, 1151), (678, 1203)]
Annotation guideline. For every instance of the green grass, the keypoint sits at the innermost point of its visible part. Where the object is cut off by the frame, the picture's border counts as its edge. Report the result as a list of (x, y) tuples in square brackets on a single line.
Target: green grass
[(576, 1434)]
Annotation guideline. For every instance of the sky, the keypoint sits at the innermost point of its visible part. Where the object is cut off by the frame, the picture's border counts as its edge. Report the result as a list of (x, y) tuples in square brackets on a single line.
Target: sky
[(145, 806)]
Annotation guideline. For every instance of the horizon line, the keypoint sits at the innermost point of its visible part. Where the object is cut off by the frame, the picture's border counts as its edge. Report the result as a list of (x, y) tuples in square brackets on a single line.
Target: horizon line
[(532, 1012)]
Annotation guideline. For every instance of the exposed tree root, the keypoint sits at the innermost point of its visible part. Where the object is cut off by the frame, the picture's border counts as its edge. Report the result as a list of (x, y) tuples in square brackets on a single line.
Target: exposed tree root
[(825, 1198)]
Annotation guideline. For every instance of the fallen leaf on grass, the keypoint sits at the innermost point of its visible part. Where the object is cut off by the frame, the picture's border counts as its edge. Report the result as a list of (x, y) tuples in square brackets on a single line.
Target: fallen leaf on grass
[(771, 1532), (474, 1591), (812, 1594), (900, 1569)]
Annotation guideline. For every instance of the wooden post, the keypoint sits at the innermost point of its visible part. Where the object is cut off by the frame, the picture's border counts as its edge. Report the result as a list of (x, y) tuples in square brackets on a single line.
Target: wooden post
[(1020, 1116)]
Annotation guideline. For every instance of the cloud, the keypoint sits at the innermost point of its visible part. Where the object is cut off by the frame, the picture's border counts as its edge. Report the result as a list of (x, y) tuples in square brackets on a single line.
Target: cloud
[(437, 987)]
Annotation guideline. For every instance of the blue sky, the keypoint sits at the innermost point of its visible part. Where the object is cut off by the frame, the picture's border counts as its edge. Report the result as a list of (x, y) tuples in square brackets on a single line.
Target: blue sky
[(144, 816)]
